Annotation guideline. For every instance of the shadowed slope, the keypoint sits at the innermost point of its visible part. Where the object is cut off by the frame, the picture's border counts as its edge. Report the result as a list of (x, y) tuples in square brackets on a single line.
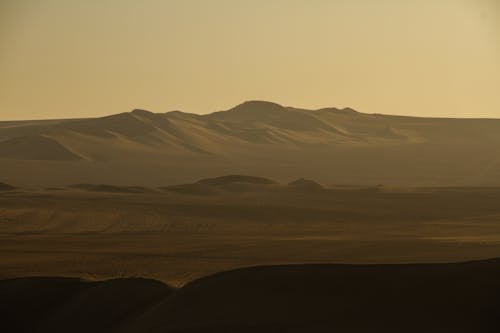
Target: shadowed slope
[(107, 306), (110, 188), (219, 185), (71, 305), (305, 184), (236, 179), (332, 145), (35, 147), (339, 298), (261, 122), (13, 129), (462, 297), (26, 301), (270, 114), (6, 187)]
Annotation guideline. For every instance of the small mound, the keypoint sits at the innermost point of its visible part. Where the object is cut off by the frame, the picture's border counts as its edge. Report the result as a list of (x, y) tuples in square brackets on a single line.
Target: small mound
[(218, 185), (452, 297), (27, 301), (6, 187), (110, 188), (47, 304), (54, 189), (258, 106), (235, 179), (461, 297), (191, 189), (305, 184), (106, 305), (143, 113)]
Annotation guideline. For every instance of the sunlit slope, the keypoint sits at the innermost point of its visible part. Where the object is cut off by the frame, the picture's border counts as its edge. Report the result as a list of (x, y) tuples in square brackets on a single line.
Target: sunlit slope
[(262, 138)]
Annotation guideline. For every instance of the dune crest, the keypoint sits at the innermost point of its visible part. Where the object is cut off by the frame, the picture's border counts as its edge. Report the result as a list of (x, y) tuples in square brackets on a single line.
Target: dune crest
[(335, 145), (6, 187), (459, 297)]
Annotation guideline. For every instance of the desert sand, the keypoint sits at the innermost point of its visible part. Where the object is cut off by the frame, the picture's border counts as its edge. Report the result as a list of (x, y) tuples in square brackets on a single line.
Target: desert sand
[(178, 233), (259, 218), (333, 146)]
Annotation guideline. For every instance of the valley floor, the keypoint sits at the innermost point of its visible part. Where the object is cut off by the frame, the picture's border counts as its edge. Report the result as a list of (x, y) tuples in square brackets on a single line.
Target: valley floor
[(177, 238)]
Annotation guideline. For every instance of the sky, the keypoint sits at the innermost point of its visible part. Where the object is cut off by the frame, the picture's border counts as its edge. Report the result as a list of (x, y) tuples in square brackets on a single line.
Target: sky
[(73, 58)]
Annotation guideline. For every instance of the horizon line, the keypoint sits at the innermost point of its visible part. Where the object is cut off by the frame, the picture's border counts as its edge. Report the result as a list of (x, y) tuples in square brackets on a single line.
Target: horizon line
[(253, 101)]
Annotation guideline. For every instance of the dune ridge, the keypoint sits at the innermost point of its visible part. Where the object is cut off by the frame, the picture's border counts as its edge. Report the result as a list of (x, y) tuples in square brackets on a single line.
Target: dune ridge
[(6, 187), (333, 145), (454, 297)]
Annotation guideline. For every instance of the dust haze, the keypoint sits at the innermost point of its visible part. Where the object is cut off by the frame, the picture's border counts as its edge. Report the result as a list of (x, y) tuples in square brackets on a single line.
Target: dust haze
[(111, 200), (333, 146), (249, 166)]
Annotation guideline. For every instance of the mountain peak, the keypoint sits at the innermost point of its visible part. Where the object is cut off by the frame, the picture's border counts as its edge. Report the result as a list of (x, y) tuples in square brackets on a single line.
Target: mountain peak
[(257, 106), (141, 112)]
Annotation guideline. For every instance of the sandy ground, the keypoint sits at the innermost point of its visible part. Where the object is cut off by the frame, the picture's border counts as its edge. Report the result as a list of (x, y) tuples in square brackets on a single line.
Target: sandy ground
[(177, 238)]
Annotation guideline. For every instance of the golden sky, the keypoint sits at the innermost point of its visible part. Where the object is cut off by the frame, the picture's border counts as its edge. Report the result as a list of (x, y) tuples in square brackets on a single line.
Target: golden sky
[(74, 58)]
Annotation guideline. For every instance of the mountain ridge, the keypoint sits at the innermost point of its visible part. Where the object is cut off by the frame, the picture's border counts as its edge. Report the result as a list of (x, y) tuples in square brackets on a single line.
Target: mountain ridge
[(255, 136)]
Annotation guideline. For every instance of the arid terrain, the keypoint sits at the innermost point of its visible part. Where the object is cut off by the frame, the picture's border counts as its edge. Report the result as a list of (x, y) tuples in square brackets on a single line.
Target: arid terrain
[(460, 297), (179, 233), (174, 222), (246, 166), (333, 146)]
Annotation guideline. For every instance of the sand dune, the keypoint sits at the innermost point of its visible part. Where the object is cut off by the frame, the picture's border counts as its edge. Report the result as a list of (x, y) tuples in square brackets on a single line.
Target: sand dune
[(241, 183), (212, 248), (222, 184), (306, 184), (6, 187), (335, 146), (345, 298), (45, 304), (462, 297), (110, 188), (35, 147), (235, 179)]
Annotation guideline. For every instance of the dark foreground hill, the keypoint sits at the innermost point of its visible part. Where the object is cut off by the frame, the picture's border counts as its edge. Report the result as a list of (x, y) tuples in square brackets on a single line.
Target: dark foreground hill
[(462, 297), (44, 304)]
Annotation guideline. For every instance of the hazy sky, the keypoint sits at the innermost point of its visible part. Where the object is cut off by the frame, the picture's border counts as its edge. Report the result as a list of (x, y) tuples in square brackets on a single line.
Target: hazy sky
[(78, 58)]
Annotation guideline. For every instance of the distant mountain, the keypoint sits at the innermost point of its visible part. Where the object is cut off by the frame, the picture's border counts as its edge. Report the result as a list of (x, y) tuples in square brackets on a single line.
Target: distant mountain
[(305, 184), (231, 183), (235, 179), (110, 188), (256, 137)]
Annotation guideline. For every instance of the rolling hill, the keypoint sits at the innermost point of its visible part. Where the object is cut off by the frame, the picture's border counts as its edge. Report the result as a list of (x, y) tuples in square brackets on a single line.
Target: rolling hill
[(459, 297), (335, 146)]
